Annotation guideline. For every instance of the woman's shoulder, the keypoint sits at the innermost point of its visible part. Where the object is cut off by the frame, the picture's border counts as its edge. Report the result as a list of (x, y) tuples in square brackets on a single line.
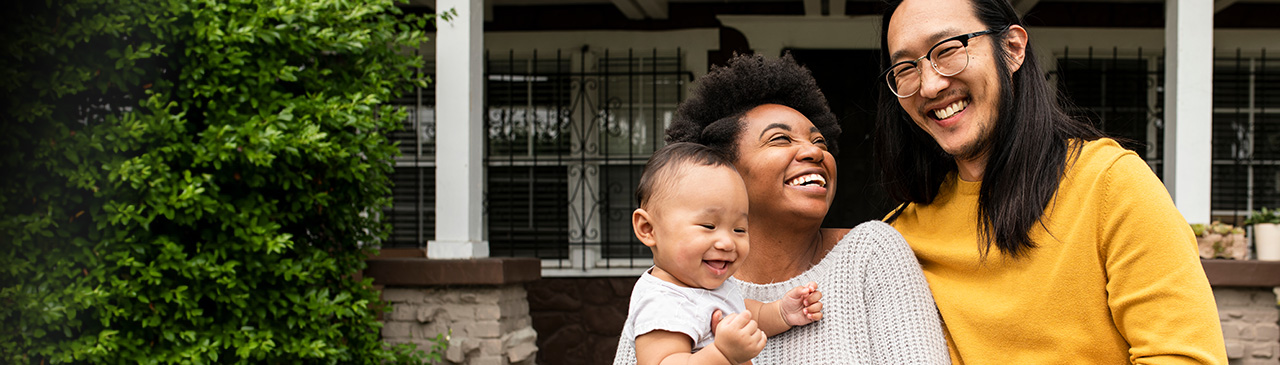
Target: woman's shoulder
[(871, 232), (873, 239)]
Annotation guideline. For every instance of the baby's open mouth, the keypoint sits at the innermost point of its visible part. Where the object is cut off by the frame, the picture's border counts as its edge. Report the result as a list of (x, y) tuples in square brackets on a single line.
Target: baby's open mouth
[(717, 264)]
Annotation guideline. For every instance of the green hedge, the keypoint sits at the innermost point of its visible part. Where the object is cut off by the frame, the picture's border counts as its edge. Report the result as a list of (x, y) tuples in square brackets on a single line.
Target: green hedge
[(196, 180)]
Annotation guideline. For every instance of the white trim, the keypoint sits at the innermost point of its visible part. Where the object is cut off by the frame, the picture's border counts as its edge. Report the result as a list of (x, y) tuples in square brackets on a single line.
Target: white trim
[(459, 133), (641, 262), (629, 9), (655, 9), (1151, 40), (603, 267), (409, 162), (1188, 103), (812, 8), (692, 43), (456, 249), (829, 32), (615, 272)]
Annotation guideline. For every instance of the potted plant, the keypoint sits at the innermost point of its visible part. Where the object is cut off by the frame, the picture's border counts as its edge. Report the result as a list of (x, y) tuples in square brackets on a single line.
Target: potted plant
[(1266, 233), (1220, 240)]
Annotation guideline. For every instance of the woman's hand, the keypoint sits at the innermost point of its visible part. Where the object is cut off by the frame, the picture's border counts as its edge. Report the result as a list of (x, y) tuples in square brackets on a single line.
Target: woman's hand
[(802, 305)]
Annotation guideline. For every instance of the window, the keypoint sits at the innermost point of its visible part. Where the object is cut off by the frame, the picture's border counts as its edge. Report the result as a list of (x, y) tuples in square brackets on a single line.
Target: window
[(566, 138), (412, 213), (1246, 134), (1122, 93), (1119, 95)]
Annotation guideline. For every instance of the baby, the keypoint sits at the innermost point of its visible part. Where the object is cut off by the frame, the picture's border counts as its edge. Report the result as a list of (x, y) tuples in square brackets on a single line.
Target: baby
[(693, 215)]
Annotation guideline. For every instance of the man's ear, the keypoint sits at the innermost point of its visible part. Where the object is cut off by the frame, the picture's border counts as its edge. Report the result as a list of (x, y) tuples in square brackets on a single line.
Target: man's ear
[(642, 224), (1015, 43)]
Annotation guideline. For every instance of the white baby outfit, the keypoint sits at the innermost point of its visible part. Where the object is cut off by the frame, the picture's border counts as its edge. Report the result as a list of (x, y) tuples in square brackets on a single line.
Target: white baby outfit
[(659, 305)]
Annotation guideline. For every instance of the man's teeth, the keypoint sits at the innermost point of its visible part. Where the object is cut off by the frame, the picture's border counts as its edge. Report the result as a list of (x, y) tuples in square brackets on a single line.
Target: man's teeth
[(802, 180), (950, 110)]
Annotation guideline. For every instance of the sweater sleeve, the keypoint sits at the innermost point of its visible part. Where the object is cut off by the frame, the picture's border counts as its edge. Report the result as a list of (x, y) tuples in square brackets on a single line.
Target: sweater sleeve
[(1157, 291), (904, 326)]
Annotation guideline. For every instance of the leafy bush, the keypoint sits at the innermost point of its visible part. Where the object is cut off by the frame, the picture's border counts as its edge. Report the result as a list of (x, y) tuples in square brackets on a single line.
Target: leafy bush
[(192, 180)]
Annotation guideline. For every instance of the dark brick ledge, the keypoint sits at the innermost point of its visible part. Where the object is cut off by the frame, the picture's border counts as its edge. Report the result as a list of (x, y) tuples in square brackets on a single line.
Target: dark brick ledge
[(1252, 273), (421, 271)]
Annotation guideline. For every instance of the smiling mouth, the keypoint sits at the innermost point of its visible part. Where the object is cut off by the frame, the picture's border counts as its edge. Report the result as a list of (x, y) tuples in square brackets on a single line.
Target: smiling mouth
[(718, 267), (717, 264), (950, 110), (809, 179)]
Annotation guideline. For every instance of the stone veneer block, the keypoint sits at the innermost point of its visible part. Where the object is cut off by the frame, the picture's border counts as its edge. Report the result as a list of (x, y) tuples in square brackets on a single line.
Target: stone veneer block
[(480, 304), (1247, 308), (1248, 316), (1268, 332)]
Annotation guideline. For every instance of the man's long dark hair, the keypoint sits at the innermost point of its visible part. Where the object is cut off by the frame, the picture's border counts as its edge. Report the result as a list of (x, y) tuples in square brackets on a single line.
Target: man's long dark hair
[(1027, 148)]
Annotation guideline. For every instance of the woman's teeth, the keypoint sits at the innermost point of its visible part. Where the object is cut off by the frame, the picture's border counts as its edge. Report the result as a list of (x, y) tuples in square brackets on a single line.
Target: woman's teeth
[(950, 110), (810, 178)]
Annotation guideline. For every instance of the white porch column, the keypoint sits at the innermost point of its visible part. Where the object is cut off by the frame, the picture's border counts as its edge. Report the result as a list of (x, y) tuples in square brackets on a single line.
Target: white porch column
[(1188, 103), (459, 133)]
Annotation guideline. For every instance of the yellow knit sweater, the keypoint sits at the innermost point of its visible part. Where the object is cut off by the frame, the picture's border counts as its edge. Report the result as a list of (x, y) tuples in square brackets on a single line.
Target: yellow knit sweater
[(1116, 279)]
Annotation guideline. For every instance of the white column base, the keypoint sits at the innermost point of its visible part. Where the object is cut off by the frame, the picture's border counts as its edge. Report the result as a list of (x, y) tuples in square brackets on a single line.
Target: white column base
[(457, 249)]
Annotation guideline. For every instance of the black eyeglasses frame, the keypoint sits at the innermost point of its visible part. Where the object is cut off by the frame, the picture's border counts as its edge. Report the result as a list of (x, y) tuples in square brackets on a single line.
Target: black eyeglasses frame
[(964, 41)]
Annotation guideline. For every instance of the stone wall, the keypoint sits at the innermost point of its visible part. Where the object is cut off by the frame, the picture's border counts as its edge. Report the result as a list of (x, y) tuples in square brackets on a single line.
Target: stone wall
[(578, 319), (490, 324), (1249, 323)]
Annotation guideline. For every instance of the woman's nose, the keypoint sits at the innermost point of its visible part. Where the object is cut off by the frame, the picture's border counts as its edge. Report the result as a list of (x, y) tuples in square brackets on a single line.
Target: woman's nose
[(810, 152)]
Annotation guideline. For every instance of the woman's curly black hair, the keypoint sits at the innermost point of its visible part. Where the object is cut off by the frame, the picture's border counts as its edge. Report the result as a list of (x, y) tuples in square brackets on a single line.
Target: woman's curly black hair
[(712, 115)]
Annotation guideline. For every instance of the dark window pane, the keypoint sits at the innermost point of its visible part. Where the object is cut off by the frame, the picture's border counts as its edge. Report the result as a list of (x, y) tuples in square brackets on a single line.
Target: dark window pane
[(528, 213)]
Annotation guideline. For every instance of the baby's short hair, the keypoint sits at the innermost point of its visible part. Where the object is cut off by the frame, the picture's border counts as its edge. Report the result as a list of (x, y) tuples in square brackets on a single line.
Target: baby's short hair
[(667, 162)]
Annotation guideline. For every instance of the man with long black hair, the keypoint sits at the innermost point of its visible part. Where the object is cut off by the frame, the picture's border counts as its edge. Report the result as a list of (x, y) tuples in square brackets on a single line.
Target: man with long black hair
[(1092, 263)]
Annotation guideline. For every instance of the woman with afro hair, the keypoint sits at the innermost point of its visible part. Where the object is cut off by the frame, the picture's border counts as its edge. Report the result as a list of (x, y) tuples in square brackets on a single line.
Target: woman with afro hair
[(771, 120)]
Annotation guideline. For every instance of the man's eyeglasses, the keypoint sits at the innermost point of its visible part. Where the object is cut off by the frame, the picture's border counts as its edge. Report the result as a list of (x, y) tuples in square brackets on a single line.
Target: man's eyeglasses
[(949, 57)]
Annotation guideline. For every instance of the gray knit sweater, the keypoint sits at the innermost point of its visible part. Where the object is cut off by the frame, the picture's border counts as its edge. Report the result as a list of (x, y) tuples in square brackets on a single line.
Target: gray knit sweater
[(877, 308)]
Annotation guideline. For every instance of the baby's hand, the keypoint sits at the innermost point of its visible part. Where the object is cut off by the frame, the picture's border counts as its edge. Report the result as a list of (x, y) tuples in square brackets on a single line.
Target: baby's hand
[(738, 338), (802, 305)]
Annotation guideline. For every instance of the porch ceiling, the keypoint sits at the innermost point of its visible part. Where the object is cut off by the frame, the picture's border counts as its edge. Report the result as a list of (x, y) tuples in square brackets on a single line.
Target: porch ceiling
[(528, 15)]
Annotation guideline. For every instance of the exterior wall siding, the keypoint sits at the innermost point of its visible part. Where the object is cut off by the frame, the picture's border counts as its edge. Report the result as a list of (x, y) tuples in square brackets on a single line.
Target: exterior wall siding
[(579, 320)]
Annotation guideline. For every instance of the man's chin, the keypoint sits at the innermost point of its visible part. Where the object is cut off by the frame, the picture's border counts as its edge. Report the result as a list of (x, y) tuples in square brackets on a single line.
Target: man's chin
[(969, 151)]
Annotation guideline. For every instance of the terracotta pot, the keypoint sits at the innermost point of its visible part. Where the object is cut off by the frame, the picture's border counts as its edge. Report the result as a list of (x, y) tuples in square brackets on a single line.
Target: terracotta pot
[(1266, 239)]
